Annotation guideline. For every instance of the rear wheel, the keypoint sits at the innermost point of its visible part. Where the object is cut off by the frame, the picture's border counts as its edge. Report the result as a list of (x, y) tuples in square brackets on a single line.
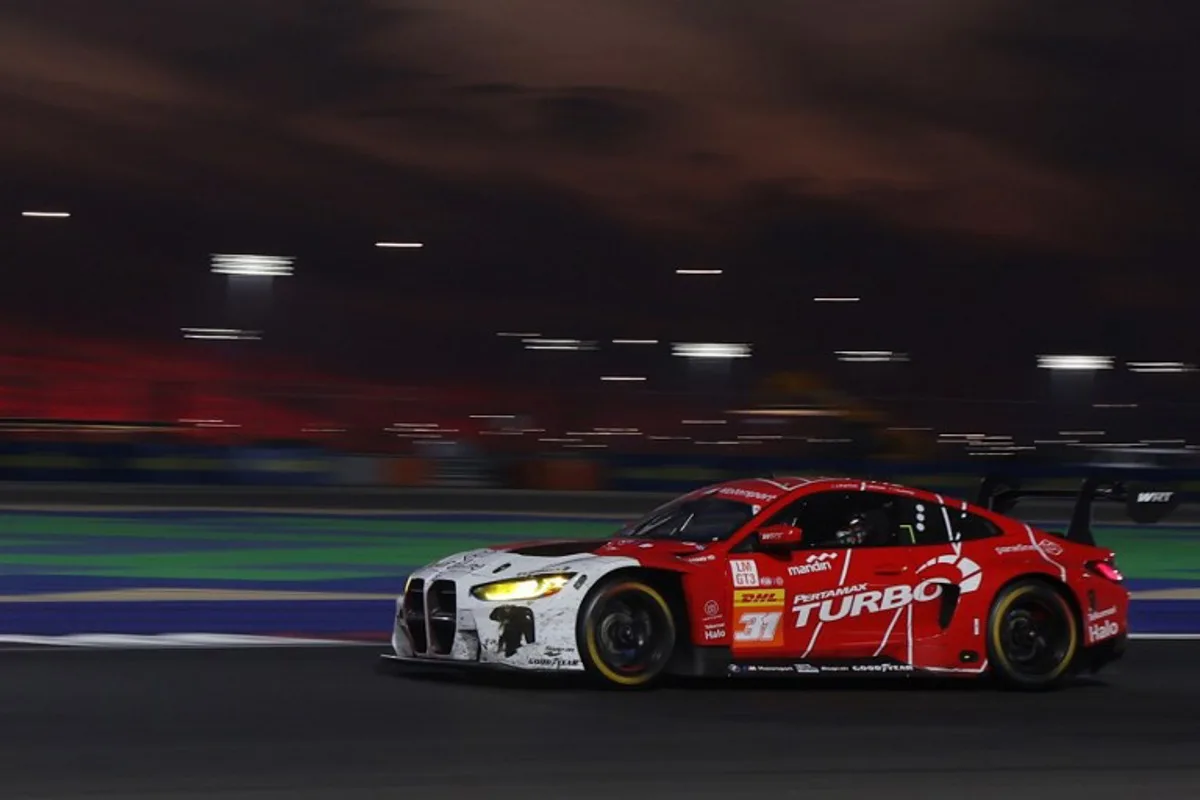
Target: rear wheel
[(1033, 636), (626, 633)]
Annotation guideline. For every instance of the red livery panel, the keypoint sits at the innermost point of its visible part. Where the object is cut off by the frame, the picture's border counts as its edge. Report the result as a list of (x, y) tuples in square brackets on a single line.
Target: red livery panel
[(845, 576)]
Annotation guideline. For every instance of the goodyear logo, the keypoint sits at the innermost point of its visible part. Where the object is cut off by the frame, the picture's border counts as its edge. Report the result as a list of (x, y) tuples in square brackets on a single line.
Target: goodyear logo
[(758, 597)]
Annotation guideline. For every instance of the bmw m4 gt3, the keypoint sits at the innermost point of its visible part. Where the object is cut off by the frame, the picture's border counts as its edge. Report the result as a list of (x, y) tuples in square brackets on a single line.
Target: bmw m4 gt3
[(789, 577)]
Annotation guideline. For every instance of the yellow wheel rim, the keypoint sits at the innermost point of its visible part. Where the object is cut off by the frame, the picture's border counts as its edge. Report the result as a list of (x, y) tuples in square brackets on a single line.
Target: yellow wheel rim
[(998, 618), (594, 650)]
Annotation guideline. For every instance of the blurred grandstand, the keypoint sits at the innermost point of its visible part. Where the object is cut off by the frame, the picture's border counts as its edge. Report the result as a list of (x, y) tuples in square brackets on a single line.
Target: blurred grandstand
[(55, 387)]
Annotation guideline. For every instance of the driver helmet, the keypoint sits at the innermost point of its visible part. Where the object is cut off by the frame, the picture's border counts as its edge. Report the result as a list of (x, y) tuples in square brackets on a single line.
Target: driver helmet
[(854, 532)]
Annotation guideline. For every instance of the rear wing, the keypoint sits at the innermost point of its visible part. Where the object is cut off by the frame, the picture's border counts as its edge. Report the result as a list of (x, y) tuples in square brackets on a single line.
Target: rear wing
[(1145, 504)]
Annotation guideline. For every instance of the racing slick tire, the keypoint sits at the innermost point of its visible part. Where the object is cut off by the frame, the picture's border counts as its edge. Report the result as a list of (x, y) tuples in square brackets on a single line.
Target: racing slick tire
[(1033, 636), (626, 633)]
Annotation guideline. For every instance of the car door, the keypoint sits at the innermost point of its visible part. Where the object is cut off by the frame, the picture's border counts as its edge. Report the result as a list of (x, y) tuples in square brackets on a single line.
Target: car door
[(839, 600), (804, 603), (914, 575)]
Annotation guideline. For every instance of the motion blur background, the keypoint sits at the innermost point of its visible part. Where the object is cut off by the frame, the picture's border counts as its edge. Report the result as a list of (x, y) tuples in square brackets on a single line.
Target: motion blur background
[(580, 245), (570, 245)]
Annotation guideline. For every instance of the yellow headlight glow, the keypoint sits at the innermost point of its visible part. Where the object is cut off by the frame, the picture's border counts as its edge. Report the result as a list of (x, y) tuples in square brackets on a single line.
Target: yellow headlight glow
[(522, 589)]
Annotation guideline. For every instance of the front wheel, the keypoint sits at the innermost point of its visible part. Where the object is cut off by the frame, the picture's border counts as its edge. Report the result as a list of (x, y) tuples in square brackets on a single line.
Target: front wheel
[(626, 633), (1033, 636)]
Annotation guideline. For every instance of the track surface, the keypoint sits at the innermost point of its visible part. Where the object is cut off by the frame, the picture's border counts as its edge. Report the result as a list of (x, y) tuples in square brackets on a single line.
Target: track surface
[(309, 723)]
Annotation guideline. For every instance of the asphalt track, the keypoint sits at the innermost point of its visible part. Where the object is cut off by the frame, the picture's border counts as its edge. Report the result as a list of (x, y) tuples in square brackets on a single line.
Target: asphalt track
[(320, 723)]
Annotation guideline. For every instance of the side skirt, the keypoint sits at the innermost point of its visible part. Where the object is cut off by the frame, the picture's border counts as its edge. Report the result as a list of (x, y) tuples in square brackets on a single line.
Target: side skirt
[(714, 662), (394, 664)]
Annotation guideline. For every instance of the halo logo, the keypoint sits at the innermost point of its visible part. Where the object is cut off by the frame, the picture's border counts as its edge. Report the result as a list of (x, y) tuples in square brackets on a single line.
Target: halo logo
[(1103, 631)]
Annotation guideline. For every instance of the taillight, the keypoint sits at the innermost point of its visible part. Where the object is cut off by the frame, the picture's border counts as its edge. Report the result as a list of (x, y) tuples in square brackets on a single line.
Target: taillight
[(1106, 569)]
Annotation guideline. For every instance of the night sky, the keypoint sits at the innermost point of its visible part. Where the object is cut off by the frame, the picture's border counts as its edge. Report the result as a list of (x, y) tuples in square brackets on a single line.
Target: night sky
[(995, 178)]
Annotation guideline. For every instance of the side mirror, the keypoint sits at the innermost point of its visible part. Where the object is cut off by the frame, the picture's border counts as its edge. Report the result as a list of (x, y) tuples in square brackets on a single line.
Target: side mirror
[(780, 537)]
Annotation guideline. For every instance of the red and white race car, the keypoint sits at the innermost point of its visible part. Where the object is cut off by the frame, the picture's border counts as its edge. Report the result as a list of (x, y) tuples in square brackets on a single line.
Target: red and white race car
[(789, 577)]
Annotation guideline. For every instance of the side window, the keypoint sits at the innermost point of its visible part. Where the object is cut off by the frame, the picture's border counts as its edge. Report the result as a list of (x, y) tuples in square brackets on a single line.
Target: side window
[(842, 519), (919, 522), (865, 519), (971, 527)]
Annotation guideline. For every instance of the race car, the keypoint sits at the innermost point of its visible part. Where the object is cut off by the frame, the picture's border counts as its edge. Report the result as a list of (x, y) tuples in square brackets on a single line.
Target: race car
[(791, 577)]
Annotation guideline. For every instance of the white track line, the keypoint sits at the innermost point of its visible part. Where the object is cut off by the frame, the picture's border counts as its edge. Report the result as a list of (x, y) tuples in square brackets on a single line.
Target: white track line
[(115, 641), (1166, 637)]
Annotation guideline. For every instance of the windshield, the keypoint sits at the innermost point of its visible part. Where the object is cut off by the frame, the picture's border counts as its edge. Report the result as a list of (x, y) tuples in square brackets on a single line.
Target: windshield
[(706, 519)]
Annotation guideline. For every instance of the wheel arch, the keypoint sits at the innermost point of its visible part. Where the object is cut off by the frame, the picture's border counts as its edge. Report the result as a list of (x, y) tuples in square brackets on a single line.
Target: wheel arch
[(1054, 582), (668, 584), (1063, 589)]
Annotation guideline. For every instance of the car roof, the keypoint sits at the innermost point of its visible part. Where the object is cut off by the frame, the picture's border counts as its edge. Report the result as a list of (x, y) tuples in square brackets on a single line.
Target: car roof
[(761, 491)]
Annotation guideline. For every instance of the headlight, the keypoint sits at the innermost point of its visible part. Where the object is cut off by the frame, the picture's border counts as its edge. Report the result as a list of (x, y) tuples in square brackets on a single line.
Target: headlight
[(529, 588)]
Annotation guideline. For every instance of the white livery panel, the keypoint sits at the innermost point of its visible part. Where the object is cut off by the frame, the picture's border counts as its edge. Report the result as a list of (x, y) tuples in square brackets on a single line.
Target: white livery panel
[(438, 619)]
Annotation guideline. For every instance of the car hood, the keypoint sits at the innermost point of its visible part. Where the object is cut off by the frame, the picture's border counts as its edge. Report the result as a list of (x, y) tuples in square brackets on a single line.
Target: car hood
[(527, 558)]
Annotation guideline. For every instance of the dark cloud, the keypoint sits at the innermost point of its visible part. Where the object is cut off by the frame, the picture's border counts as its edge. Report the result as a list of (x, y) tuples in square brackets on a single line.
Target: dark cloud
[(598, 118), (496, 88), (707, 159), (310, 58), (913, 151), (968, 105), (1097, 97)]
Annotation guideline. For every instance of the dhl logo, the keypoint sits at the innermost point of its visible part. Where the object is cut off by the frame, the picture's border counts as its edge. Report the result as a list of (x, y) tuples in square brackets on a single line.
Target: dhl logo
[(758, 597)]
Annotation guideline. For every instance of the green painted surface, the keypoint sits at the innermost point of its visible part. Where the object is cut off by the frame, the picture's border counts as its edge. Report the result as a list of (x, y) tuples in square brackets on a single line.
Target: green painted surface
[(1155, 553), (271, 549), (210, 549)]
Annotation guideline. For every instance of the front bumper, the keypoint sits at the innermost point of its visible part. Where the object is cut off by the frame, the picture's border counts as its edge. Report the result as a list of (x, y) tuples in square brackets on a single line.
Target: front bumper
[(439, 623)]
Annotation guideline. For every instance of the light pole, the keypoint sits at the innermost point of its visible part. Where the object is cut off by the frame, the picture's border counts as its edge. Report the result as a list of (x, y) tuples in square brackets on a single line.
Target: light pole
[(1072, 383), (249, 283)]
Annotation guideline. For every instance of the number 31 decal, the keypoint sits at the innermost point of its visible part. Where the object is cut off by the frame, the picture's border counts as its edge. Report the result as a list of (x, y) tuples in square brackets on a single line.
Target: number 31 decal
[(758, 626)]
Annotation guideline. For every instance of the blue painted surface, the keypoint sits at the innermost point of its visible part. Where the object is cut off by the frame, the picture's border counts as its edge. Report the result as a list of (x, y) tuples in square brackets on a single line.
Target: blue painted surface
[(1165, 616), (352, 618), (358, 618)]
